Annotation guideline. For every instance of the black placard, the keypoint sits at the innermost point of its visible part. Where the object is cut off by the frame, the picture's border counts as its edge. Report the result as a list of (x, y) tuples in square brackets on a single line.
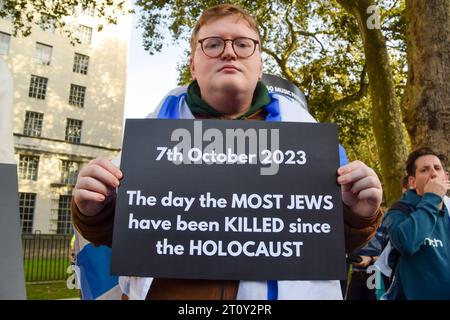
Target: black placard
[(166, 224)]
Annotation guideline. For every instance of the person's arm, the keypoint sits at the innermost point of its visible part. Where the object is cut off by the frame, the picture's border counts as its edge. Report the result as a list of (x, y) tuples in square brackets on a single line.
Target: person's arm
[(407, 232), (364, 263), (361, 194), (94, 200), (361, 190), (375, 245), (359, 230), (97, 229)]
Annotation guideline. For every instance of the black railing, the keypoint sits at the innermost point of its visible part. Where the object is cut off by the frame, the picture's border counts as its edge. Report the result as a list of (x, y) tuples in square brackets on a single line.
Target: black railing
[(46, 257)]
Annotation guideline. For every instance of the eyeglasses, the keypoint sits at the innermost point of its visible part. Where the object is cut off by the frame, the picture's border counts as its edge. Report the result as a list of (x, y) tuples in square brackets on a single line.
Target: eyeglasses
[(214, 46)]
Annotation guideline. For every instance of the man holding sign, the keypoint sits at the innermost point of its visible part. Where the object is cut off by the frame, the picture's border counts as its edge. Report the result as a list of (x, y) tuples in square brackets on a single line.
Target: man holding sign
[(226, 64)]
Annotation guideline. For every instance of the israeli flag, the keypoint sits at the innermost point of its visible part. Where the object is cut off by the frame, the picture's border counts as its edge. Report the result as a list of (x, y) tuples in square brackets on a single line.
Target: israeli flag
[(92, 271)]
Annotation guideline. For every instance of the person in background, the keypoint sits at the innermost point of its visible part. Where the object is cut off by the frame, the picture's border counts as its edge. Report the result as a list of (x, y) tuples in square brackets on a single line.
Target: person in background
[(420, 231)]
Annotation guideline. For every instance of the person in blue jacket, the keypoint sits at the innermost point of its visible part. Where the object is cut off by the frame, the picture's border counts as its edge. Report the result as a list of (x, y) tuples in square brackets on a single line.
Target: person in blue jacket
[(422, 235)]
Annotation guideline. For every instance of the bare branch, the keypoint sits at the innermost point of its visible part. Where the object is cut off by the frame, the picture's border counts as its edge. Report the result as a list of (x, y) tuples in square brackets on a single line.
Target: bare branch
[(292, 45), (336, 105)]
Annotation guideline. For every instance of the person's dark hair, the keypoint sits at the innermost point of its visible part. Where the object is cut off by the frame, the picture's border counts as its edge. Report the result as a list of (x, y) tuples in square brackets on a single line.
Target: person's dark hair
[(405, 182), (420, 152)]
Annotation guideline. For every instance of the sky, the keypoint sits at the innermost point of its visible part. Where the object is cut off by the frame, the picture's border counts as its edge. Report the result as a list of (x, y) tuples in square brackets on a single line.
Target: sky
[(149, 78)]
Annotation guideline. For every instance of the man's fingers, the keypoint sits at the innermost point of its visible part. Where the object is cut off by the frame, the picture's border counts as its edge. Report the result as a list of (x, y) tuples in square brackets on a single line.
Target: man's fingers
[(100, 173), (354, 172), (350, 167), (91, 184), (83, 196), (365, 183), (95, 185), (370, 194), (108, 166)]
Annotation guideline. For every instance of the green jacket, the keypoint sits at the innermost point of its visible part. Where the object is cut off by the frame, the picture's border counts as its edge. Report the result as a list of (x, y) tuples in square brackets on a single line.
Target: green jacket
[(423, 239)]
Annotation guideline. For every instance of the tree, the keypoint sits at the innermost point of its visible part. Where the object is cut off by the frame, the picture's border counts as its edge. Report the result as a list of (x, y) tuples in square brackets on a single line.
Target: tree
[(387, 118), (316, 45), (427, 96), (58, 13)]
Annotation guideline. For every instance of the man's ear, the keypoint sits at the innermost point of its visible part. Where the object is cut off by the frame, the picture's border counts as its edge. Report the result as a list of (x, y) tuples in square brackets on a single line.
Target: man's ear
[(192, 67), (412, 182)]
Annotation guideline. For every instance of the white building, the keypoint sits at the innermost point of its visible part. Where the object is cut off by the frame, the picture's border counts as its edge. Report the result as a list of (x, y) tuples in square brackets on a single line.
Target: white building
[(68, 110)]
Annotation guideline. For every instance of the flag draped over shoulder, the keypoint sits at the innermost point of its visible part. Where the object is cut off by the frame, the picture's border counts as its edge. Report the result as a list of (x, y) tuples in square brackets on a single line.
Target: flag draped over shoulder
[(92, 271)]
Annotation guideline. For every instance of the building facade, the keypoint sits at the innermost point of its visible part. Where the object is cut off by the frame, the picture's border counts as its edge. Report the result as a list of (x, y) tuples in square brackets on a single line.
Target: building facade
[(68, 109)]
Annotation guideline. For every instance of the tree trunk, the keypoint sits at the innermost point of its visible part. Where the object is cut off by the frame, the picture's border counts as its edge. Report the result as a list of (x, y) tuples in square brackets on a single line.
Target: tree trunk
[(387, 120), (427, 94)]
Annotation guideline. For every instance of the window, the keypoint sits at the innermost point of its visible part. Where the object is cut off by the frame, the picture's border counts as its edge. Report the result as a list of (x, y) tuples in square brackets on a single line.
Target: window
[(64, 218), (26, 208), (69, 171), (43, 54), (33, 124), (84, 34), (38, 87), (77, 94), (80, 63), (73, 130), (28, 167), (5, 39)]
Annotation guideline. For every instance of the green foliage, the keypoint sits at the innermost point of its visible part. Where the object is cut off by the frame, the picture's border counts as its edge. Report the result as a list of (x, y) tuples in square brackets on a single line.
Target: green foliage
[(57, 14), (184, 76)]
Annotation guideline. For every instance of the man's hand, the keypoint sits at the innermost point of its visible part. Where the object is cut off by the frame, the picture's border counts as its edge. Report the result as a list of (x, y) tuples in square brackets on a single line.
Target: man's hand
[(437, 186), (96, 185), (360, 187), (365, 262)]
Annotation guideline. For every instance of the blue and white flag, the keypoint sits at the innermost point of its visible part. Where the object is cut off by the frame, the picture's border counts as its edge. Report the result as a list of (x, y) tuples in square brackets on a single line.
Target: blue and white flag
[(92, 271)]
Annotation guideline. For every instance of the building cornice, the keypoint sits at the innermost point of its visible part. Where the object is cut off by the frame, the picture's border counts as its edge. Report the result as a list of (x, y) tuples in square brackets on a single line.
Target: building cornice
[(19, 135)]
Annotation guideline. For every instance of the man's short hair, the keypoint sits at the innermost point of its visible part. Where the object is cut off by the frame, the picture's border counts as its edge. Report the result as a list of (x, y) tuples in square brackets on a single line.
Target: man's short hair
[(220, 11), (405, 182), (420, 152)]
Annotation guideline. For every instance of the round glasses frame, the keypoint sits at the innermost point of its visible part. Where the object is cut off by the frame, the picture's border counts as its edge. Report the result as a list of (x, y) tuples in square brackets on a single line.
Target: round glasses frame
[(233, 41)]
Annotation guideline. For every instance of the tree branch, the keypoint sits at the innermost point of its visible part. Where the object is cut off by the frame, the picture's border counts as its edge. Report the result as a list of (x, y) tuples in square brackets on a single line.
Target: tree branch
[(293, 39), (264, 33), (273, 55), (336, 105)]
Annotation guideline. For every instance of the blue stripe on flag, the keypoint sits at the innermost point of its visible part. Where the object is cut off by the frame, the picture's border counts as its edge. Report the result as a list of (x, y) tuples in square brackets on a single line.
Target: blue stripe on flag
[(93, 263), (169, 109), (273, 110), (272, 290)]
